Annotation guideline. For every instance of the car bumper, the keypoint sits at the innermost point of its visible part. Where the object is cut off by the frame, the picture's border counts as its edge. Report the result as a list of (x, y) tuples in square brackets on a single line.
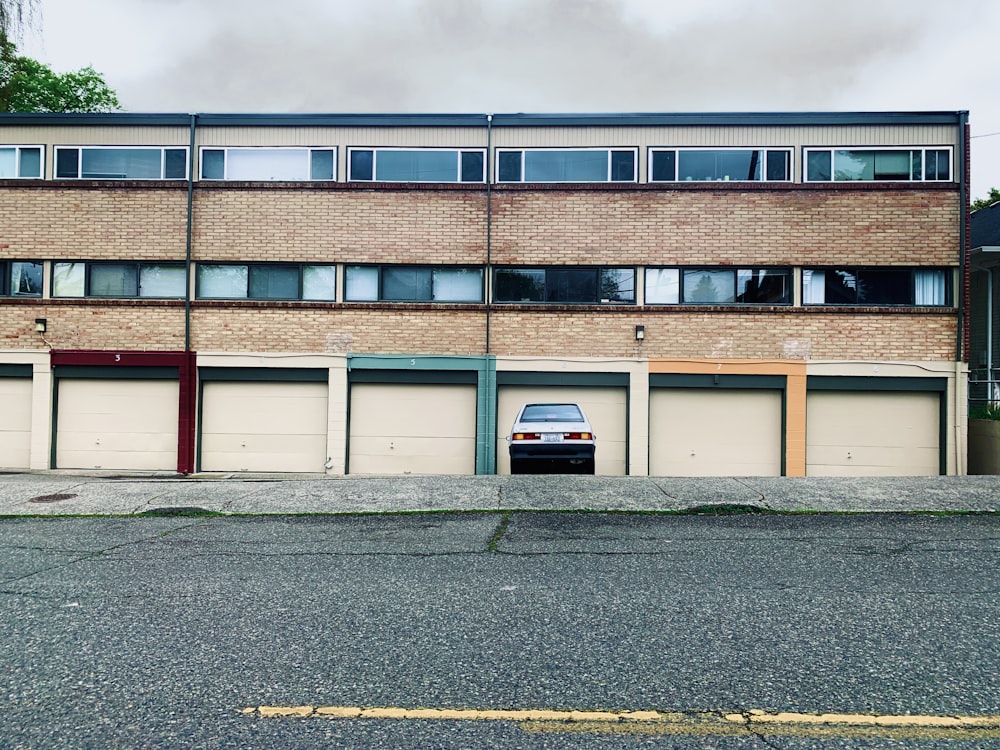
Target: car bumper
[(548, 451)]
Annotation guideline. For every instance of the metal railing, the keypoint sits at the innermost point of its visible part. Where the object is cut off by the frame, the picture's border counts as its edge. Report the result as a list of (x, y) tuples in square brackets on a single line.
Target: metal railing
[(984, 388)]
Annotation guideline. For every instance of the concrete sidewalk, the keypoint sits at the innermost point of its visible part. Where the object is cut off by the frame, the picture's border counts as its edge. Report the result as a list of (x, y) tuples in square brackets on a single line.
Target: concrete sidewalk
[(56, 493)]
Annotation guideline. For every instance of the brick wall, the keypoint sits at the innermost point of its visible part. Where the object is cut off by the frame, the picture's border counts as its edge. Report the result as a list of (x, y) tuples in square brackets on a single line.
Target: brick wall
[(360, 330), (386, 225), (125, 325), (781, 227), (84, 223), (792, 334)]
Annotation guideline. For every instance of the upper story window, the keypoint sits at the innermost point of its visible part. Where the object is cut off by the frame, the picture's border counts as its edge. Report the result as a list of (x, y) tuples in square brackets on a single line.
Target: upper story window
[(279, 281), (21, 162), (20, 278), (718, 286), (416, 165), (413, 284), (876, 286), (719, 165), (111, 279), (877, 164), (566, 165), (287, 164), (566, 285), (120, 163)]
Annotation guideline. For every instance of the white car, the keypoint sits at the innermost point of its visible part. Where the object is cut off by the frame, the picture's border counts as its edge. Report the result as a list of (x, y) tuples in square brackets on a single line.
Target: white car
[(554, 438)]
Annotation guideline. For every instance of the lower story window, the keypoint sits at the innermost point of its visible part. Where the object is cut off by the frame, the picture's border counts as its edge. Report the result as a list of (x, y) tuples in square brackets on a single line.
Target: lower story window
[(93, 279), (412, 284), (718, 286), (19, 278), (277, 281), (582, 286), (876, 286)]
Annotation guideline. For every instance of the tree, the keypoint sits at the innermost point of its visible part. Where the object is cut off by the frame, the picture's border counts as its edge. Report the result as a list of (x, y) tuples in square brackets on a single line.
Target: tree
[(27, 85), (989, 200), (15, 15)]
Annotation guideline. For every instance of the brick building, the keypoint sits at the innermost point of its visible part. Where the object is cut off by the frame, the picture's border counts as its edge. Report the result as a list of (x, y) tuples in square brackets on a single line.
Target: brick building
[(731, 294)]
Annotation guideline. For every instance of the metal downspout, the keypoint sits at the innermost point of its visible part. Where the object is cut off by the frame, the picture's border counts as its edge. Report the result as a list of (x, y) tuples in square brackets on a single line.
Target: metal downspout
[(962, 409), (490, 395), (190, 228)]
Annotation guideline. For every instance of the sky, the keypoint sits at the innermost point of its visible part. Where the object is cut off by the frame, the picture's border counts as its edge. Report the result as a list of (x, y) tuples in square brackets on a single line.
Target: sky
[(482, 56)]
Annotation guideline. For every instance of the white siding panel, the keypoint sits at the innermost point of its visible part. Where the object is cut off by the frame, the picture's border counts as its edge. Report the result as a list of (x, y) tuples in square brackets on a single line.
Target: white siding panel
[(15, 423), (412, 429), (713, 432), (264, 427), (117, 424)]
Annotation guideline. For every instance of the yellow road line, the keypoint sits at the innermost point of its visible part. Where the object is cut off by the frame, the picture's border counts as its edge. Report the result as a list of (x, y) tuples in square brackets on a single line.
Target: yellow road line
[(671, 722)]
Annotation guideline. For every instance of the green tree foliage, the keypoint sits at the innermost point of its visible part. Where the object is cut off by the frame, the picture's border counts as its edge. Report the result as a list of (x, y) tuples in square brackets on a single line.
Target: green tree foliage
[(27, 85), (989, 200)]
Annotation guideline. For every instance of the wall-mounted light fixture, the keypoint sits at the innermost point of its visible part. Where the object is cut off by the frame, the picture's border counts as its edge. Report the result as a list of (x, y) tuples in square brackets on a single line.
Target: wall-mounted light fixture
[(41, 324), (640, 333)]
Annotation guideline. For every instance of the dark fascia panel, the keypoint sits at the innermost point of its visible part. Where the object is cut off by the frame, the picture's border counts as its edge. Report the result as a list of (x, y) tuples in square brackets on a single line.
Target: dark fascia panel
[(499, 120)]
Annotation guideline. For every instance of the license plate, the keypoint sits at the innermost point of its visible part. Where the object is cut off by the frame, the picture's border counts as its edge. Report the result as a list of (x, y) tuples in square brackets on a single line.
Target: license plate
[(552, 437)]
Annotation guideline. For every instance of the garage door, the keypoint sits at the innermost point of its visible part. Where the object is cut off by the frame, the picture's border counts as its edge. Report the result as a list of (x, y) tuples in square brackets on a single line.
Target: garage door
[(117, 424), (264, 426), (714, 432), (412, 428), (15, 425), (850, 433), (605, 407)]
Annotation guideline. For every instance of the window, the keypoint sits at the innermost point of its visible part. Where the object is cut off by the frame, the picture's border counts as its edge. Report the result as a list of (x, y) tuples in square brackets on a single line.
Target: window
[(566, 165), (19, 278), (876, 286), (277, 281), (878, 164), (719, 165), (268, 164), (413, 284), (416, 165), (21, 162), (582, 286), (120, 163), (718, 286), (100, 279)]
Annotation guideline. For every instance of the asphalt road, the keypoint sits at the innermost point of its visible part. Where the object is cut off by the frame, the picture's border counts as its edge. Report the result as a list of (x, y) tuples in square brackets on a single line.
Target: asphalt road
[(171, 632)]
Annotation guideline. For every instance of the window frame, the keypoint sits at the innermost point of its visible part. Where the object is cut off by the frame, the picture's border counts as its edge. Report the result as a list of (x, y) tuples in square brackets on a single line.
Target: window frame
[(380, 268), (7, 279), (789, 152), (458, 151), (598, 270), (88, 265), (300, 268), (225, 162), (611, 150), (856, 271), (56, 150), (18, 148), (789, 273), (831, 150)]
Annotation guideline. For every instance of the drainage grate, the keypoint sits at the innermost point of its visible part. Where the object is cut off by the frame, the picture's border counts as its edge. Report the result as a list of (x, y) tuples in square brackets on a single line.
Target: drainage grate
[(52, 498)]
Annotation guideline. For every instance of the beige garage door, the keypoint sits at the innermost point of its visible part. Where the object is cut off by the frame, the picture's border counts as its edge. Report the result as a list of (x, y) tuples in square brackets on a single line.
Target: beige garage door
[(713, 432), (264, 427), (605, 407), (850, 433), (15, 424), (412, 428), (117, 424)]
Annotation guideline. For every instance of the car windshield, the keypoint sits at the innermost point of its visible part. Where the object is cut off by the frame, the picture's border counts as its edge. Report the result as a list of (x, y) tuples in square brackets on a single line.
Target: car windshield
[(552, 413)]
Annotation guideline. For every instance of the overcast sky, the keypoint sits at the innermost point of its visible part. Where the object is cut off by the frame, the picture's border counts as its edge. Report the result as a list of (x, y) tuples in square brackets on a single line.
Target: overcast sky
[(459, 56)]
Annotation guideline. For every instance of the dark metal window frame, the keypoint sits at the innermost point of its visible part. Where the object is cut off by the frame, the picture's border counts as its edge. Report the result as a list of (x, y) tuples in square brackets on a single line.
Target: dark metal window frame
[(856, 271), (610, 150), (88, 265), (787, 151), (596, 270), (459, 152), (300, 268), (382, 267), (59, 174), (735, 272), (225, 161)]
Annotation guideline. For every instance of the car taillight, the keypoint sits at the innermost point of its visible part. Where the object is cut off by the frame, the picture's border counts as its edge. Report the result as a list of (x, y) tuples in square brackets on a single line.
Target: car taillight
[(577, 435), (526, 436)]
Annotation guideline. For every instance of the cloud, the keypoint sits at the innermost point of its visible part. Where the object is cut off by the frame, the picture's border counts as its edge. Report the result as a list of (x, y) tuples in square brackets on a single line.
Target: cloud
[(523, 55)]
